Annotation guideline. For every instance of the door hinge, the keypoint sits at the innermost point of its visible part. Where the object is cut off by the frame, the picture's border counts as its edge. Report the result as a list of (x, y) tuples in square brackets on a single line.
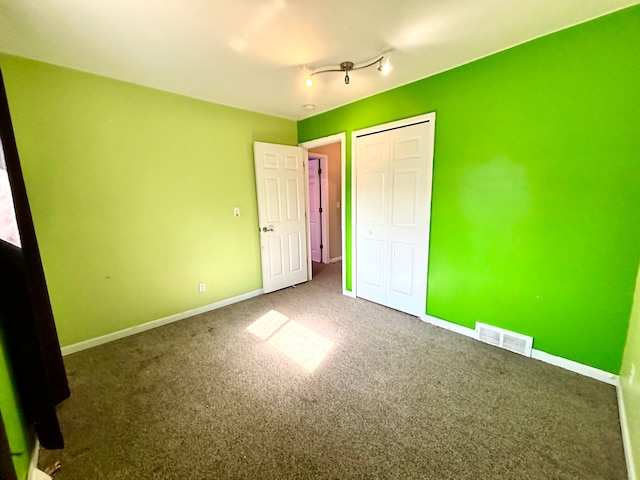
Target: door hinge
[(319, 171), (320, 210)]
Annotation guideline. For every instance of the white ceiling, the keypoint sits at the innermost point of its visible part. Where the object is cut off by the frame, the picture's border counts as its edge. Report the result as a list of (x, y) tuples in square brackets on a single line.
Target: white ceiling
[(251, 53)]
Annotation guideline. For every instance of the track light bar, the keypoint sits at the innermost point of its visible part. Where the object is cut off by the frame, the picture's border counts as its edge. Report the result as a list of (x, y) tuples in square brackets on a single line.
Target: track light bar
[(347, 67)]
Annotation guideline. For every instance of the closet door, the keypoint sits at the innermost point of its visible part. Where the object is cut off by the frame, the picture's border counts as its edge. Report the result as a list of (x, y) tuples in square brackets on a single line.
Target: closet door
[(394, 177), (372, 220)]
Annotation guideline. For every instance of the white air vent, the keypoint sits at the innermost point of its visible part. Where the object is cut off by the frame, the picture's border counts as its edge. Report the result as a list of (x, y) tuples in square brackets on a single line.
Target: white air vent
[(502, 338)]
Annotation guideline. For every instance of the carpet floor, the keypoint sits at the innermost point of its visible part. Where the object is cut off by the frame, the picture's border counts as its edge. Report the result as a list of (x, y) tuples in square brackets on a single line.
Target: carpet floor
[(327, 387)]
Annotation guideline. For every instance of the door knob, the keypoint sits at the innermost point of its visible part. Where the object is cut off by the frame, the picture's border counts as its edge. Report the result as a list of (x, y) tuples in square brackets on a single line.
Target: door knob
[(268, 229)]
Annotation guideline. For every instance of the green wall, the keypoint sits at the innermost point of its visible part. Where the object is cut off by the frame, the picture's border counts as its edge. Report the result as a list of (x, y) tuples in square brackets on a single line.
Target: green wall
[(536, 186), (630, 386), (20, 435), (132, 192)]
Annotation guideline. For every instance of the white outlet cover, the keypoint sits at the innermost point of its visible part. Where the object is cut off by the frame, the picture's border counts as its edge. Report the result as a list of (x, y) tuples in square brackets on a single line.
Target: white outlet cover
[(236, 212)]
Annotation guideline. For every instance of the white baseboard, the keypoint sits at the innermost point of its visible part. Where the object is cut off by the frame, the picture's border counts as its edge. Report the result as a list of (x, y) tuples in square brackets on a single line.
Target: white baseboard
[(34, 473), (33, 465), (570, 365), (576, 367), (38, 475), (348, 293), (110, 337), (626, 437), (335, 260), (454, 327)]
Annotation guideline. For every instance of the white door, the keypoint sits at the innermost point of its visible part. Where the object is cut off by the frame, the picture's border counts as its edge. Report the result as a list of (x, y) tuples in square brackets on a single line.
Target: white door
[(393, 206), (280, 187), (314, 210), (371, 217)]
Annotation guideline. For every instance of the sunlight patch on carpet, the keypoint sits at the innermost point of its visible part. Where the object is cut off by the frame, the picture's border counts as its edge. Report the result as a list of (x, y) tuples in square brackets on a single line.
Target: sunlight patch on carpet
[(297, 342), (268, 324)]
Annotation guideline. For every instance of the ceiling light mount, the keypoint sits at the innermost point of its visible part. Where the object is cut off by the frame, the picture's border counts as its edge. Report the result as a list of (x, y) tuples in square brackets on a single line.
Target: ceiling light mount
[(346, 67)]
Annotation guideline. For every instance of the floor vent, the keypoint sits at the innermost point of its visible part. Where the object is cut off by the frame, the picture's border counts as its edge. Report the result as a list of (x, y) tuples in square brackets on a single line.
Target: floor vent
[(502, 338)]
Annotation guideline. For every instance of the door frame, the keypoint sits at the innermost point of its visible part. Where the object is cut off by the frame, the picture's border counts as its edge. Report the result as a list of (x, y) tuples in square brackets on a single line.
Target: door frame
[(405, 122), (320, 142), (324, 217)]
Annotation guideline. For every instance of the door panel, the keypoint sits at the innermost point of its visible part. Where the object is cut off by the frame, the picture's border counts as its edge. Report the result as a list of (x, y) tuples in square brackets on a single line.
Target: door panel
[(409, 148), (295, 252), (294, 211), (272, 196), (275, 259), (373, 186), (291, 162), (375, 150), (373, 271), (404, 202), (411, 167), (280, 177), (371, 218), (402, 263)]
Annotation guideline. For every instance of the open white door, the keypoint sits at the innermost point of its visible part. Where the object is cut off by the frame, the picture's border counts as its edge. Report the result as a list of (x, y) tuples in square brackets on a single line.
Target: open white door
[(280, 187)]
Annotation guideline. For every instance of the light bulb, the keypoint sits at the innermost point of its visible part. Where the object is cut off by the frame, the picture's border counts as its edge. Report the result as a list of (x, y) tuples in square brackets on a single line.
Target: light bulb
[(308, 82), (385, 67)]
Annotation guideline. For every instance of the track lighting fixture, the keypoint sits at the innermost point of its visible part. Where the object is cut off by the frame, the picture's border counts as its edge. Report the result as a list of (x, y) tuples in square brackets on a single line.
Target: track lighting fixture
[(384, 67)]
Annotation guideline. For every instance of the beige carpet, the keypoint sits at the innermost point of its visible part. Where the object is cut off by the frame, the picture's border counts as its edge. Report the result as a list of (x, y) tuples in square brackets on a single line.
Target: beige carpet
[(327, 387)]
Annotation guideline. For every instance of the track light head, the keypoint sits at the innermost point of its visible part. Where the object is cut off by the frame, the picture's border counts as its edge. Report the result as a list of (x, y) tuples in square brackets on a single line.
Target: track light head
[(385, 66)]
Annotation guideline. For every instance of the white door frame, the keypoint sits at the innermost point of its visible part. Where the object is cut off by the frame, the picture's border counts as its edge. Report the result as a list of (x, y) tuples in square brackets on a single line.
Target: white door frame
[(324, 217), (431, 117), (320, 142)]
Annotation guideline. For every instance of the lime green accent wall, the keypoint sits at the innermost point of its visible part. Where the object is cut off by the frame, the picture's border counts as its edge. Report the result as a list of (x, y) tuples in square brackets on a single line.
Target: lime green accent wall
[(20, 438), (132, 192), (630, 385), (536, 186)]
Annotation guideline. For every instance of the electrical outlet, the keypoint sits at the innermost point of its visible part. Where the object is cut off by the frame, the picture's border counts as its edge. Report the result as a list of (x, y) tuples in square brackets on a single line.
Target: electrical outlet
[(202, 287), (632, 374), (236, 212)]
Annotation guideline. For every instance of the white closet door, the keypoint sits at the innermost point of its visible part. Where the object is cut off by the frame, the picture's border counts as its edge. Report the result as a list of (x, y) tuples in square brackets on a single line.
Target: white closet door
[(371, 218), (393, 205), (409, 211)]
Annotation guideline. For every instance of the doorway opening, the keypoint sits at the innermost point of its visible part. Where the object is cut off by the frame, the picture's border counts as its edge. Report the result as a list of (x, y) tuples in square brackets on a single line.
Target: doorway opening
[(328, 228)]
